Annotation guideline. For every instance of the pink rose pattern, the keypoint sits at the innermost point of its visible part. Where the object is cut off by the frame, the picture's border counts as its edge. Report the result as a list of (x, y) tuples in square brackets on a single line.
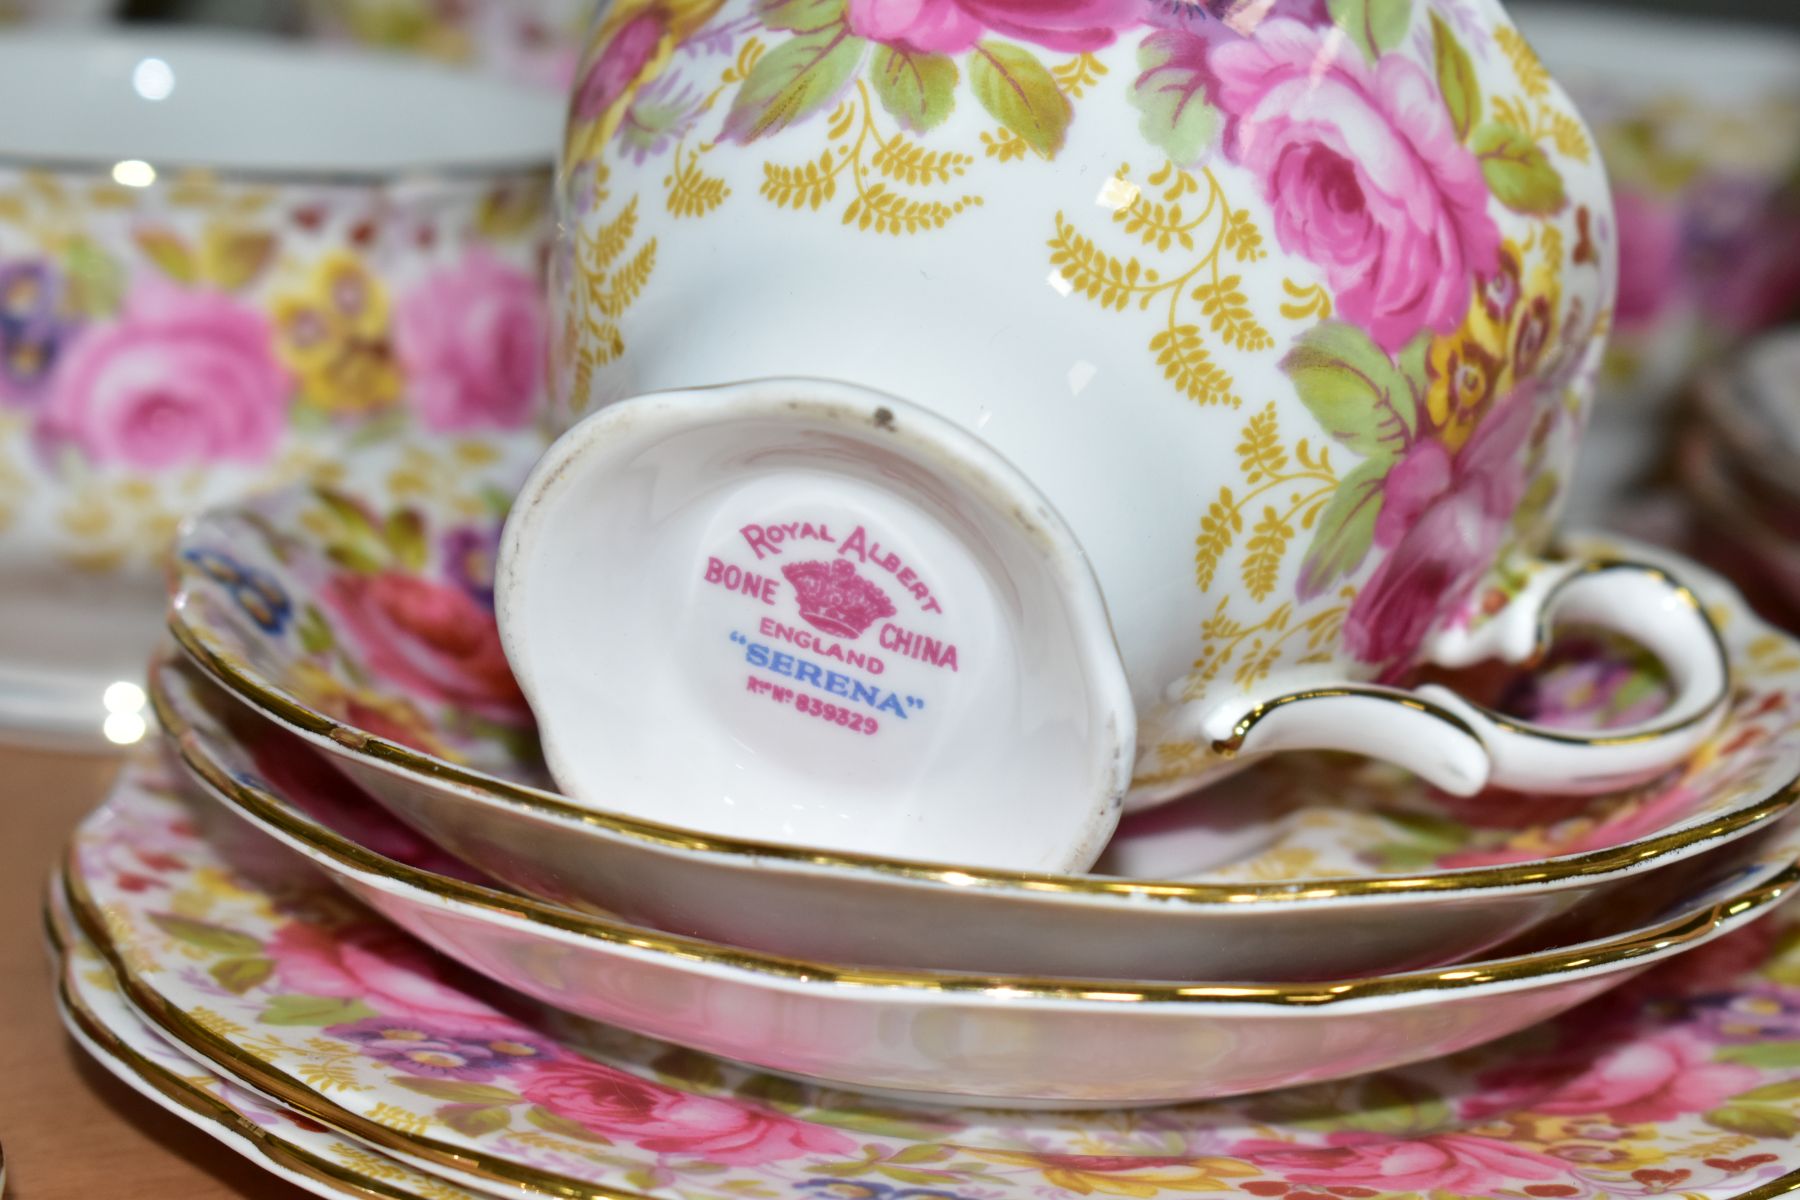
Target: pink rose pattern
[(667, 1121), (473, 339), (431, 639), (1444, 517), (1631, 1095), (183, 378), (1649, 257), (953, 26), (374, 964), (179, 374), (1364, 172)]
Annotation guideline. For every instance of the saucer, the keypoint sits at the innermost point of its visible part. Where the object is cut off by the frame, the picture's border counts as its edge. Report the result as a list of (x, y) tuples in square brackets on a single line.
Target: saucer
[(284, 1143), (435, 729), (1686, 1081), (943, 1037)]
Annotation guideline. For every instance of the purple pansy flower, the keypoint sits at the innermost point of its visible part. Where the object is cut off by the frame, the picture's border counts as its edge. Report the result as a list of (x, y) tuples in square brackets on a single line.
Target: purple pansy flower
[(446, 1051), (34, 329)]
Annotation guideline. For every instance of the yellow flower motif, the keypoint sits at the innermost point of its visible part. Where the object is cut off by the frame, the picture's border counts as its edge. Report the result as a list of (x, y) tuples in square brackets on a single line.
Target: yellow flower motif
[(1510, 325), (1465, 376), (1535, 329), (332, 332), (1125, 1175)]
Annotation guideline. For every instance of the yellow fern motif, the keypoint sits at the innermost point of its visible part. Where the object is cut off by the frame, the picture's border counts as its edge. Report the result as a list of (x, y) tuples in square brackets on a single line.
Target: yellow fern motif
[(1536, 114), (216, 1023), (368, 1165), (1280, 492), (612, 269), (318, 1062), (1304, 480), (1304, 302), (403, 1120), (1003, 145), (1189, 214), (1078, 74), (861, 152), (692, 192), (1254, 649), (1526, 64)]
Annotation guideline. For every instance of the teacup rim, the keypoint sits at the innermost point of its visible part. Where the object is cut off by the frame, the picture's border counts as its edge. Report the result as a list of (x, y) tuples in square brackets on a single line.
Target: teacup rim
[(269, 811), (174, 171), (273, 703)]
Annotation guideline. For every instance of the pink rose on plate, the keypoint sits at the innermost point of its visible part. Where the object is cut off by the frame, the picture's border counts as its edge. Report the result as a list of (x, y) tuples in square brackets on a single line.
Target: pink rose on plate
[(377, 964), (1365, 174), (430, 638), (664, 1121), (1638, 1082), (953, 26), (473, 340), (183, 378), (1456, 1163), (1657, 1079), (1443, 518)]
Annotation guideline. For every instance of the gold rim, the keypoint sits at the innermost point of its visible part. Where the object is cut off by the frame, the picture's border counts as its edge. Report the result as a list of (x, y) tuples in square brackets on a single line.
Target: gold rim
[(271, 812), (268, 1080), (204, 1104), (1636, 737), (276, 705), (295, 1095)]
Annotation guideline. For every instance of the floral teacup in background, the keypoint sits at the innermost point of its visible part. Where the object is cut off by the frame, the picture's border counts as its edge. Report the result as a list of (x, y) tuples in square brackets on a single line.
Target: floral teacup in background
[(222, 263), (1698, 120), (536, 41)]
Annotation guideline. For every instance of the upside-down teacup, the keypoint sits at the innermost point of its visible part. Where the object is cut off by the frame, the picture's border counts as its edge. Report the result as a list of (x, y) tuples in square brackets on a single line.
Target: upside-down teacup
[(1122, 374), (223, 261)]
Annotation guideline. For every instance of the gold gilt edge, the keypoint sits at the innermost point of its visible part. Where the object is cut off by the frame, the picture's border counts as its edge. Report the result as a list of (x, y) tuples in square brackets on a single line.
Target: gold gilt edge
[(197, 1100), (276, 705), (290, 1092), (275, 1084), (270, 812), (1632, 737)]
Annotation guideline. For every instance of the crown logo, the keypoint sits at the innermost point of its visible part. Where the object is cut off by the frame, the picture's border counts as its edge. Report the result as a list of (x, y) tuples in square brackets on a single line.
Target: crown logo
[(835, 599)]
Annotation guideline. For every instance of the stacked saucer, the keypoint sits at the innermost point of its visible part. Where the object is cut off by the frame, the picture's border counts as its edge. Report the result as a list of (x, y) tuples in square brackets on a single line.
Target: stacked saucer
[(209, 960), (1140, 738)]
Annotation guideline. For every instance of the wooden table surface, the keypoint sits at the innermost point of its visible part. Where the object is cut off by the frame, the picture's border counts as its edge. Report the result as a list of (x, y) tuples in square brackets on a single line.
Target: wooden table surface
[(71, 1131)]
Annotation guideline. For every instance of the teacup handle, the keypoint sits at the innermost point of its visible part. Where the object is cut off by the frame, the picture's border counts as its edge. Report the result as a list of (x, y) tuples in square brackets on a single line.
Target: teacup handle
[(1463, 747)]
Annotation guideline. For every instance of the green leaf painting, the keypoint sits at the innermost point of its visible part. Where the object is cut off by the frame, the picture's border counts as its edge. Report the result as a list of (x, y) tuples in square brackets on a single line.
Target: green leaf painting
[(800, 16), (918, 90), (1374, 26), (1518, 172), (1354, 389), (1456, 78), (1346, 529), (314, 1010), (215, 938), (1019, 92), (793, 81), (1171, 93)]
